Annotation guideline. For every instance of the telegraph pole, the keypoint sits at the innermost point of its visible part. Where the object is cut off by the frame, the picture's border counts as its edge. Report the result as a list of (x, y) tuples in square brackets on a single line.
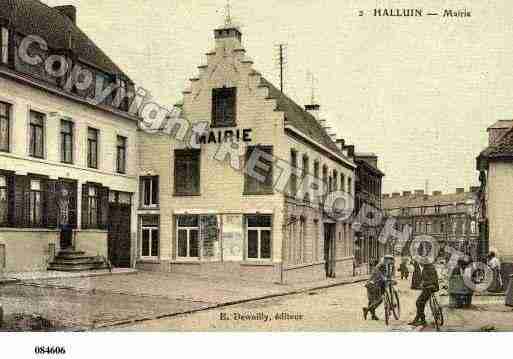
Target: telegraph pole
[(282, 61)]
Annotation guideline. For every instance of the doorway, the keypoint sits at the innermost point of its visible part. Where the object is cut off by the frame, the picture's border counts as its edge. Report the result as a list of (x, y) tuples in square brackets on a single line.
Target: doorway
[(119, 239), (329, 249)]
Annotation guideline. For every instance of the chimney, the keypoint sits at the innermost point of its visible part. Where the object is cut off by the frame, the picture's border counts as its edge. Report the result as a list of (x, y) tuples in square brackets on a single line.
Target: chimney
[(396, 195), (228, 38), (419, 192), (497, 130), (385, 195), (474, 189), (350, 150), (69, 11), (315, 111), (406, 193), (437, 193), (341, 143), (460, 190)]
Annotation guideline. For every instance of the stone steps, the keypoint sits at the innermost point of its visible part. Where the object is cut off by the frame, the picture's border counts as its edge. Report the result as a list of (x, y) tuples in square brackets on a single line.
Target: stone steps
[(73, 261)]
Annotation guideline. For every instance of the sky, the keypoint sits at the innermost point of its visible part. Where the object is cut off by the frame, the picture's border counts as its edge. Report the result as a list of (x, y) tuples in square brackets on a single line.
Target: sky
[(418, 92)]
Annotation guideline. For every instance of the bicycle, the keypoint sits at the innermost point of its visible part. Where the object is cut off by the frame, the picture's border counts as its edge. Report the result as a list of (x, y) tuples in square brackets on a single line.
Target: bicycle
[(436, 309), (391, 302)]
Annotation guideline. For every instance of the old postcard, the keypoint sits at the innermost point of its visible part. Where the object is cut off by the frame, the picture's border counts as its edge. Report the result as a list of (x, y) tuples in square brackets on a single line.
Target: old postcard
[(242, 166)]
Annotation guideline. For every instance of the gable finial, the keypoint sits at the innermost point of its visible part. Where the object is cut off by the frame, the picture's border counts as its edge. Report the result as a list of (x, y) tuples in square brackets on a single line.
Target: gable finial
[(228, 21)]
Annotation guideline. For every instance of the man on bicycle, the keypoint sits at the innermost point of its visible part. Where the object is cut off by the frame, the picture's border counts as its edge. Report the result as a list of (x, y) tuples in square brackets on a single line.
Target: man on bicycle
[(375, 289), (429, 285)]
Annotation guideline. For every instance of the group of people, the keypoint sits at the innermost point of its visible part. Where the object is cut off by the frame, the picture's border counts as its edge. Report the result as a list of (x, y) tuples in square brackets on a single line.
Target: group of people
[(425, 278)]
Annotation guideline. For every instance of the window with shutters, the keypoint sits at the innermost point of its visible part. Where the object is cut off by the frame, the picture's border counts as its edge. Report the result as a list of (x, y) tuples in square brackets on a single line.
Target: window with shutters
[(187, 236), (325, 178), (342, 182), (92, 147), (305, 170), (335, 180), (224, 108), (121, 154), (258, 237), (66, 141), (4, 201), (187, 172), (149, 191), (35, 203), (5, 126), (258, 178), (37, 134), (150, 240)]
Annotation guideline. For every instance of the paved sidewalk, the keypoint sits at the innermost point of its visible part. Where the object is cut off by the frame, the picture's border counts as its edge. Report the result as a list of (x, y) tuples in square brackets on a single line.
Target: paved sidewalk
[(83, 303)]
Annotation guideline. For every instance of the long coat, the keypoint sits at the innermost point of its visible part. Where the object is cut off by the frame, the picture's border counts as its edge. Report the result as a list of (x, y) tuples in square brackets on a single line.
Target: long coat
[(430, 277), (416, 278)]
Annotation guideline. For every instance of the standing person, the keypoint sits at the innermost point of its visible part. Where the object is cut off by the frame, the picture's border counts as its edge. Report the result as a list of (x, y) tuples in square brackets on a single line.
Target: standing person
[(375, 289), (429, 285), (403, 268), (416, 277), (495, 265)]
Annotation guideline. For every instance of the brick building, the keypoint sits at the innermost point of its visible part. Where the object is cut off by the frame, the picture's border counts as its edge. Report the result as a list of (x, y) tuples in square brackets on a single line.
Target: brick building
[(68, 167), (200, 212), (450, 218)]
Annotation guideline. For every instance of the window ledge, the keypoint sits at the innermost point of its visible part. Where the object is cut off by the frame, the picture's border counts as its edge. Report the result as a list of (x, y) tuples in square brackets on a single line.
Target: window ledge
[(93, 230), (186, 261), (186, 194), (17, 229), (149, 260), (257, 263), (258, 193)]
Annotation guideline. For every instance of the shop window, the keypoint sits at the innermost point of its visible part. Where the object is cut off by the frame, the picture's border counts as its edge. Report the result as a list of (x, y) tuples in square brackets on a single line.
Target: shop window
[(121, 154), (187, 236), (150, 237), (187, 172), (4, 201), (259, 174), (5, 126), (224, 109), (35, 203), (92, 148), (259, 229), (37, 134), (66, 141), (150, 191)]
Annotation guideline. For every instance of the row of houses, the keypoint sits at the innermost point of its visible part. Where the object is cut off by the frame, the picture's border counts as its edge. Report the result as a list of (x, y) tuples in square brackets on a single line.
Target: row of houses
[(83, 183)]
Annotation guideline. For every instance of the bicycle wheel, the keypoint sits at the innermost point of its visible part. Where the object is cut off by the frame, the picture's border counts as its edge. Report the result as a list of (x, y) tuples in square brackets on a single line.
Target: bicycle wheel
[(439, 311), (433, 305), (387, 306), (396, 306)]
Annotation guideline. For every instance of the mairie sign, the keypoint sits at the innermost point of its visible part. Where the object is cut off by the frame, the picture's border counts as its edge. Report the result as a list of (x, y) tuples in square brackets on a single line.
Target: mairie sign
[(220, 136)]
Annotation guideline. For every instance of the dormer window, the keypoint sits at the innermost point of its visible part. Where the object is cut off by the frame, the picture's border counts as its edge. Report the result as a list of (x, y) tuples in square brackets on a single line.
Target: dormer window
[(224, 107)]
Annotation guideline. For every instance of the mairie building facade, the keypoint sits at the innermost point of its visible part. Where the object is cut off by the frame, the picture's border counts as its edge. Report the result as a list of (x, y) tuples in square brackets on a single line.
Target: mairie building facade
[(224, 198), (68, 166)]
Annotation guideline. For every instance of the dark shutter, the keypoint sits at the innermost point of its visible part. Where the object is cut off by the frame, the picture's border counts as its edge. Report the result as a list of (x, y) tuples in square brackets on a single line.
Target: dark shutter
[(85, 206), (11, 197), (73, 205), (20, 189), (103, 219), (51, 201)]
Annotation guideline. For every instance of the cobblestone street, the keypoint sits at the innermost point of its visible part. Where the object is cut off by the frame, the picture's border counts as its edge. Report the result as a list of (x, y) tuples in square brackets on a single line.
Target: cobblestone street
[(177, 302)]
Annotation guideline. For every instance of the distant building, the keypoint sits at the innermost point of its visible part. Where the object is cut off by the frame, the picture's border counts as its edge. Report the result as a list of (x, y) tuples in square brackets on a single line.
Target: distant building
[(367, 200), (450, 218), (495, 166)]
